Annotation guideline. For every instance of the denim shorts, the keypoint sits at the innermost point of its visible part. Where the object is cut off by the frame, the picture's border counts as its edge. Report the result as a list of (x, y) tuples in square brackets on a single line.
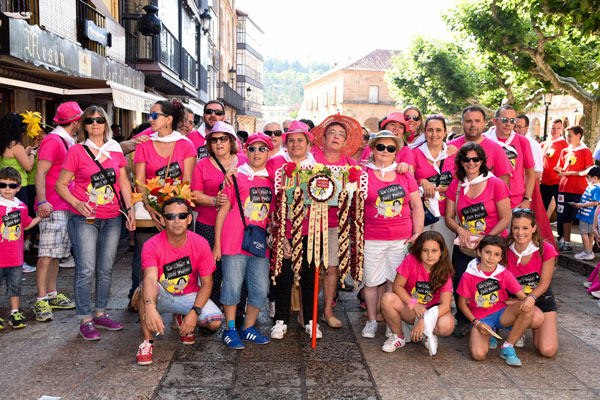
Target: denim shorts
[(585, 227), (493, 320), (182, 304), (13, 279), (255, 270)]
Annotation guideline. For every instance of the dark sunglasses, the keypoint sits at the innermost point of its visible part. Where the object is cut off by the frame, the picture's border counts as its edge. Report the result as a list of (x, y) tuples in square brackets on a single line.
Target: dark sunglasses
[(474, 159), (285, 129), (172, 216), (89, 121), (504, 120), (382, 147), (252, 149), (208, 111), (221, 139), (276, 133), (523, 210), (4, 185), (155, 115), (414, 117)]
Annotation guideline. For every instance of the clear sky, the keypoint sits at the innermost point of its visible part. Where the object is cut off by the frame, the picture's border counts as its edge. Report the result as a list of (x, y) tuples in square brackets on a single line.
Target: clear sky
[(341, 30)]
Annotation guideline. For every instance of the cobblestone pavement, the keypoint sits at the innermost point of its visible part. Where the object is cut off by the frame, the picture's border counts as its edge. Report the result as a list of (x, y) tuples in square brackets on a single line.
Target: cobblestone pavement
[(51, 359)]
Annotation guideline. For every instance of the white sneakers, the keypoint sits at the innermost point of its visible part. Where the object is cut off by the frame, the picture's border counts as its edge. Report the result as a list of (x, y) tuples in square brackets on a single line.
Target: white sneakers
[(584, 256), (393, 343), (521, 341), (596, 294), (278, 330), (370, 329), (587, 285), (308, 329), (68, 262)]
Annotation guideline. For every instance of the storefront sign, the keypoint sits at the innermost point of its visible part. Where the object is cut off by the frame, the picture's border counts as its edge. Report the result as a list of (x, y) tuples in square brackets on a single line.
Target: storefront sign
[(97, 34)]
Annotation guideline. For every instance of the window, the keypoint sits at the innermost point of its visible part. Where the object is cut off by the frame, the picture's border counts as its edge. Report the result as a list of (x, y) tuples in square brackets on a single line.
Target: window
[(188, 32), (373, 94), (168, 12)]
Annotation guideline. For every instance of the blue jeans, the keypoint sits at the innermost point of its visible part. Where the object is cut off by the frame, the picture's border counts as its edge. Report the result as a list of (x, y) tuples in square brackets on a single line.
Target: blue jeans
[(239, 267), (95, 248)]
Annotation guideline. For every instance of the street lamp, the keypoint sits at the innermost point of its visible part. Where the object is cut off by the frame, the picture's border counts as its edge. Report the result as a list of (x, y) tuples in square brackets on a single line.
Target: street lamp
[(547, 100), (232, 72), (248, 91), (205, 22)]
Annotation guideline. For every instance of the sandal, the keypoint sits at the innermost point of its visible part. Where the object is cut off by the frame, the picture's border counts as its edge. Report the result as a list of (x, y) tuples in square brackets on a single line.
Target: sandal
[(333, 322)]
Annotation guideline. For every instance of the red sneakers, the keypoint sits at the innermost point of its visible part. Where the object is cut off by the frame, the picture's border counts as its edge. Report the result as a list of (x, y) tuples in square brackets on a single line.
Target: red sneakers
[(144, 354), (187, 339)]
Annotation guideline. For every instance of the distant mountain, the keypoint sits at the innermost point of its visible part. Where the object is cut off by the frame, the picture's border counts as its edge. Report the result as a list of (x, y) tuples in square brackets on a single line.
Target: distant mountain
[(284, 80)]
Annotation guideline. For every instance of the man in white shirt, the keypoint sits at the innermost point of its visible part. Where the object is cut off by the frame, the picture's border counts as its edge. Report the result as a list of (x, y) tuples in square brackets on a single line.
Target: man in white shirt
[(522, 127)]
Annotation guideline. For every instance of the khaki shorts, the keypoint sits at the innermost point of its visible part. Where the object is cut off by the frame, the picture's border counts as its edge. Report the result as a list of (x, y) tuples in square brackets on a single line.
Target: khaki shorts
[(332, 247), (54, 235)]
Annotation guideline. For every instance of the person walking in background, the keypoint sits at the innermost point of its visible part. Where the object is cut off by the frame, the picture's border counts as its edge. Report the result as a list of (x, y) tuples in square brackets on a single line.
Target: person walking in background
[(586, 209), (551, 150)]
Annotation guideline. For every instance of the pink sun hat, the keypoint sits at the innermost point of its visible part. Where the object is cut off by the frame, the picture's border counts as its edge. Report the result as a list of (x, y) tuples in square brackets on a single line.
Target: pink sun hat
[(67, 112), (299, 127)]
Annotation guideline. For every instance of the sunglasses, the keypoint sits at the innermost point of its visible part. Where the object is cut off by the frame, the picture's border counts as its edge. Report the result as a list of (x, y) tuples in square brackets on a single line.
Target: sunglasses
[(285, 129), (414, 117), (276, 133), (252, 149), (523, 210), (382, 147), (4, 185), (89, 121), (221, 139), (155, 115), (208, 111), (466, 160), (173, 216), (504, 120)]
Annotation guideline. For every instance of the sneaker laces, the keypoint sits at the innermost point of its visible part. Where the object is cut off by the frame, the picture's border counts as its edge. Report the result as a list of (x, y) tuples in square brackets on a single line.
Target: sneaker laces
[(61, 297), (18, 316), (145, 348), (43, 306)]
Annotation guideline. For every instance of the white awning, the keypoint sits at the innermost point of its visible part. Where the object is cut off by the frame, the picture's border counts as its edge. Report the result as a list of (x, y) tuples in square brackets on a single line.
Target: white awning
[(131, 99), (197, 108)]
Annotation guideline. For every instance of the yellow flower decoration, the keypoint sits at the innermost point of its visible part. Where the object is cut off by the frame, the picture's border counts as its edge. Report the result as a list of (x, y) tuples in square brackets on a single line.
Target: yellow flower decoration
[(32, 119), (318, 168)]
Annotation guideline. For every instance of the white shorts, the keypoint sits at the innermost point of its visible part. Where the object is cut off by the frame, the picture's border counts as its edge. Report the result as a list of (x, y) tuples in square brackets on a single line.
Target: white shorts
[(382, 258)]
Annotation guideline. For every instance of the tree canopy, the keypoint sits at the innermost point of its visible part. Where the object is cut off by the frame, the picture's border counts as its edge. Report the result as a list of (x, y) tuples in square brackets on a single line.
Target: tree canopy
[(284, 80)]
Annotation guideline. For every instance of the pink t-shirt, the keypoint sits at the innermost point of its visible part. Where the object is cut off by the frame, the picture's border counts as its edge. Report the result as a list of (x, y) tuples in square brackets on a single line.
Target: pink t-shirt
[(417, 282), (179, 268), (487, 295), (53, 149), (199, 143), (424, 170), (11, 229), (529, 274), (274, 164), (209, 179), (343, 160), (523, 159), (258, 197), (156, 165), (404, 155), (480, 215), (387, 208), (497, 161), (91, 184)]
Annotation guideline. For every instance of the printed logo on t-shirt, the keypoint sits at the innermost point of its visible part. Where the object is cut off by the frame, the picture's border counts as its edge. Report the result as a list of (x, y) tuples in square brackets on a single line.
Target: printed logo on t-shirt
[(202, 152), (551, 151), (473, 218), (512, 156), (445, 178), (422, 292), (529, 281), (174, 171), (256, 206), (11, 226), (487, 293), (571, 159), (99, 191), (390, 201), (176, 275)]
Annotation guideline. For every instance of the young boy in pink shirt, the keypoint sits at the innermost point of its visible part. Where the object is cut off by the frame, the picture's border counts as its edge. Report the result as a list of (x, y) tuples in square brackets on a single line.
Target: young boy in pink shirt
[(15, 220), (254, 190)]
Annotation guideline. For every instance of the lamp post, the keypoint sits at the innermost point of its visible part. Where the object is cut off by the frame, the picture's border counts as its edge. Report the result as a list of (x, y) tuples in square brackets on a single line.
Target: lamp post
[(232, 72), (248, 91), (547, 99), (205, 22)]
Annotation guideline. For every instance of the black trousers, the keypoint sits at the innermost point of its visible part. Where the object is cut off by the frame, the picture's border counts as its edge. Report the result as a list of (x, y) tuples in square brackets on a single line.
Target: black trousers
[(460, 262)]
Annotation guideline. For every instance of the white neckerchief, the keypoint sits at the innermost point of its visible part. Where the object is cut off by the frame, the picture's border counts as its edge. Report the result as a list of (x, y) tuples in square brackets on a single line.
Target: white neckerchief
[(531, 248), (467, 184), (473, 269), (281, 152), (110, 145), (383, 170), (309, 161), (248, 171), (202, 130), (418, 141), (507, 144), (60, 131), (443, 154), (16, 203), (173, 137)]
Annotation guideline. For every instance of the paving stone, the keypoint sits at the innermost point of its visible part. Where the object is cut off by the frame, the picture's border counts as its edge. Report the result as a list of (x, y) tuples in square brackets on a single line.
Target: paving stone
[(332, 351), (408, 392), (335, 374), (205, 351), (488, 394), (470, 374), (542, 376), (277, 350), (337, 393), (215, 374), (108, 392), (557, 394), (417, 375), (268, 374), (244, 393), (192, 393)]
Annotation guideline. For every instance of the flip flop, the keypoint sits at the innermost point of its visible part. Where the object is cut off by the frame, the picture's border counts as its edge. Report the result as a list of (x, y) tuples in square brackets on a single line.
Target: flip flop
[(332, 322)]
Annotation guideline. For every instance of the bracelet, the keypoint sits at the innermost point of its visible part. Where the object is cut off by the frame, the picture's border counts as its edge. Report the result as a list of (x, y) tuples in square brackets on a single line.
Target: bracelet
[(150, 302), (475, 322), (214, 201), (42, 202), (130, 208), (534, 296)]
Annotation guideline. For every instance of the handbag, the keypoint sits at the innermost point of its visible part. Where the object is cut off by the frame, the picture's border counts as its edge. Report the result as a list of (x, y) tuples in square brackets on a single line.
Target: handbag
[(254, 240), (467, 251), (429, 217)]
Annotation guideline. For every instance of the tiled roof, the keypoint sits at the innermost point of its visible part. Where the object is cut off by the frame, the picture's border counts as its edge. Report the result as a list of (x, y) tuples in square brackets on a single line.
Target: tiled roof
[(377, 60)]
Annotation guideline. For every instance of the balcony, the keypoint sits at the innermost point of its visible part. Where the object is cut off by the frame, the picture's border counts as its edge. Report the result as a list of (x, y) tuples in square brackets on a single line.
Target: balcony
[(230, 97), (28, 9), (189, 71), (253, 109), (87, 18)]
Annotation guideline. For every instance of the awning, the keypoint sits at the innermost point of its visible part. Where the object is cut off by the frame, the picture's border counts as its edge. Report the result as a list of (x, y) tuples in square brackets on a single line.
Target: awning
[(131, 99), (197, 108)]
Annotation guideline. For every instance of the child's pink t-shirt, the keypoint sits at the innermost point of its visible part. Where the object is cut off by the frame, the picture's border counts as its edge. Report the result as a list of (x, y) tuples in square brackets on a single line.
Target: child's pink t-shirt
[(156, 165), (529, 275), (497, 161), (480, 215), (179, 268), (11, 229), (209, 179), (199, 143), (53, 149), (424, 170), (486, 296), (92, 185), (257, 197), (417, 282), (387, 208), (523, 159)]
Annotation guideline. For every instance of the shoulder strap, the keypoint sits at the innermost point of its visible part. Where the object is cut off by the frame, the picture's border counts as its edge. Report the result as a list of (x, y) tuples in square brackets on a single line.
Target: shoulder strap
[(439, 176), (119, 198), (64, 142), (237, 190)]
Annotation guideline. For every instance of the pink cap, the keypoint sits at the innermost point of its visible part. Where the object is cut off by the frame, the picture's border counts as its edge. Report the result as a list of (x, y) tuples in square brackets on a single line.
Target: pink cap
[(299, 127), (259, 137), (396, 117), (67, 112)]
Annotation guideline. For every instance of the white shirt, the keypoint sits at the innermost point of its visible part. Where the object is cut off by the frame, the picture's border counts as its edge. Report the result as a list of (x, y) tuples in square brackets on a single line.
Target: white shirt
[(536, 151)]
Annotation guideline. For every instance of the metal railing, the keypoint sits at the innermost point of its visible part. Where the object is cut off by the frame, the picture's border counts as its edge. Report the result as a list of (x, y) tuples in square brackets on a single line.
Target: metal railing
[(86, 12), (250, 72), (28, 9), (131, 41), (189, 71), (170, 50), (254, 106), (229, 96)]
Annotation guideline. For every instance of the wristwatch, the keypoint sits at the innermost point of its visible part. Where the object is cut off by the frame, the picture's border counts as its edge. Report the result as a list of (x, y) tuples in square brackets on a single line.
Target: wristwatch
[(197, 310), (527, 198)]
